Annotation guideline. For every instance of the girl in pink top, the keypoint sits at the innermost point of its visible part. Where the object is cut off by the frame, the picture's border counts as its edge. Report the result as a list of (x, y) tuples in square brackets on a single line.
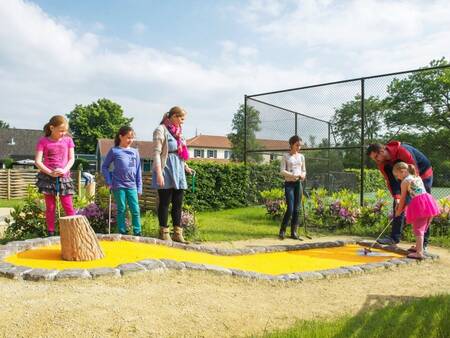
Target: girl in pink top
[(54, 157), (422, 207)]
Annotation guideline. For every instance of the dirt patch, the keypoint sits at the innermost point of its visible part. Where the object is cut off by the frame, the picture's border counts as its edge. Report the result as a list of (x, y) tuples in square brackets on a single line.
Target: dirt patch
[(202, 304)]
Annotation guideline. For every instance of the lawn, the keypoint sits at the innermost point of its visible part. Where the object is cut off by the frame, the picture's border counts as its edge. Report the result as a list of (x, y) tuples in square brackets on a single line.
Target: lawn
[(426, 317), (4, 203)]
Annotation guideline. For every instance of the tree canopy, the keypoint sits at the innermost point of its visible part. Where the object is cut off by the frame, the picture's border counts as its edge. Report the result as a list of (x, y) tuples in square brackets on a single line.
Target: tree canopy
[(101, 119), (3, 124), (237, 137)]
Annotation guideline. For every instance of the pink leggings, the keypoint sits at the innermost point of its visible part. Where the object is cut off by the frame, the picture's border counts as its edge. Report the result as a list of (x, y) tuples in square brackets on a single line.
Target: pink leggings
[(420, 225), (50, 204)]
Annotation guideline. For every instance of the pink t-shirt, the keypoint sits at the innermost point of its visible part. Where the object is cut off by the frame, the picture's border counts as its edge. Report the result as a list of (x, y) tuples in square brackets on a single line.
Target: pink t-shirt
[(55, 153)]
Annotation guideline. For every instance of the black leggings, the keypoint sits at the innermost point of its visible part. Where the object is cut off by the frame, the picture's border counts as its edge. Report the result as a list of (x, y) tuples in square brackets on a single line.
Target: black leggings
[(165, 197)]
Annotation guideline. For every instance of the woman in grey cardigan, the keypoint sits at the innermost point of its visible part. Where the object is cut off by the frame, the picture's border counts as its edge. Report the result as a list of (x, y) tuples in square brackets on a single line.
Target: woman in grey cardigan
[(168, 173)]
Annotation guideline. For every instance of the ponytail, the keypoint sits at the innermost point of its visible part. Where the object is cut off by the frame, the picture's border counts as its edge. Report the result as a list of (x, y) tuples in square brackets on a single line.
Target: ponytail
[(174, 111), (412, 169), (55, 121), (122, 132)]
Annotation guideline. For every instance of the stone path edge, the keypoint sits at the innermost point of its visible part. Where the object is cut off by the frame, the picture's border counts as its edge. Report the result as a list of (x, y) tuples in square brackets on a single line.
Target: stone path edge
[(18, 272)]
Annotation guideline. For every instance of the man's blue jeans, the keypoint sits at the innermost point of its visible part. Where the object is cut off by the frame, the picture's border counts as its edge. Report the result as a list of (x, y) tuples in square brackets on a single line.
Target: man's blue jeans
[(123, 197), (398, 222), (292, 191)]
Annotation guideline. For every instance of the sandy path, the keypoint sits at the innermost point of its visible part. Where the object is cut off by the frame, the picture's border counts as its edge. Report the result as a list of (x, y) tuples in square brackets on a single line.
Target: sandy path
[(201, 304)]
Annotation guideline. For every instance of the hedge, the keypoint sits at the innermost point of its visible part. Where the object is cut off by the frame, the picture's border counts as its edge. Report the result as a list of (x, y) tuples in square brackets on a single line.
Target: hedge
[(234, 185), (373, 180), (231, 185)]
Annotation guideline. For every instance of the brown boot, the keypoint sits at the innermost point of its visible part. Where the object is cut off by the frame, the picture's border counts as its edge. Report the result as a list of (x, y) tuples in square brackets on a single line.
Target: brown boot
[(178, 235), (164, 234)]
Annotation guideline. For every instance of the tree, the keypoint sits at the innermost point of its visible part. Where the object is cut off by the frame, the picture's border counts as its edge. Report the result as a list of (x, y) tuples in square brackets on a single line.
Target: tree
[(422, 100), (346, 121), (346, 126), (237, 137), (3, 124), (419, 107), (101, 119)]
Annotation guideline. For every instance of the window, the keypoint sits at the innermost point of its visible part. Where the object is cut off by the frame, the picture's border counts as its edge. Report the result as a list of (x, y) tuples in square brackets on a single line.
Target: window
[(226, 154), (212, 153), (199, 153)]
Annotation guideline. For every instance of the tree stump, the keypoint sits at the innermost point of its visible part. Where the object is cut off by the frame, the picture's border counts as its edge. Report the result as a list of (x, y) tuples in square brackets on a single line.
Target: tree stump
[(78, 239)]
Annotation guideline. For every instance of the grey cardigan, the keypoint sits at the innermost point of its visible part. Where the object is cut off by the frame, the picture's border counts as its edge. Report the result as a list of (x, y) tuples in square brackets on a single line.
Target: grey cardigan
[(160, 147)]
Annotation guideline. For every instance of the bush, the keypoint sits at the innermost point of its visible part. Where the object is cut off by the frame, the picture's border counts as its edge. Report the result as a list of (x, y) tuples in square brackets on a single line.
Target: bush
[(373, 180), (97, 211), (28, 219), (231, 185), (275, 203)]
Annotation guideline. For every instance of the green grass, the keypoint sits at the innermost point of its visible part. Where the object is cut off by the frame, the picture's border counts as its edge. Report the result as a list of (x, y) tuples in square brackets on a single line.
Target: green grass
[(4, 203), (426, 317), (236, 224), (253, 222)]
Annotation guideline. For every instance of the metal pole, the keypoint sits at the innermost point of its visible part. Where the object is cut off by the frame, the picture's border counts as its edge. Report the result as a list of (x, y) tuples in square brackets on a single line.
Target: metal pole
[(361, 196), (245, 129), (296, 122), (328, 153)]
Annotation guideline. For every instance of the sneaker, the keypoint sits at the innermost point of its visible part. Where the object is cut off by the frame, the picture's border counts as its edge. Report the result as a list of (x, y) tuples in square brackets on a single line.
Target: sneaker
[(50, 233), (386, 241), (138, 234)]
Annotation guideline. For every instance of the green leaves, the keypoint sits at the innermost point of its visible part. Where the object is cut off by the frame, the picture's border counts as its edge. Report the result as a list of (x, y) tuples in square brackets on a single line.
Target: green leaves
[(101, 119)]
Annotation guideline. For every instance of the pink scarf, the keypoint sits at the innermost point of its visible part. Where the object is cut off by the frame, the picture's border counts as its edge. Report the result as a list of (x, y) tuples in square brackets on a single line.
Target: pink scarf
[(176, 133)]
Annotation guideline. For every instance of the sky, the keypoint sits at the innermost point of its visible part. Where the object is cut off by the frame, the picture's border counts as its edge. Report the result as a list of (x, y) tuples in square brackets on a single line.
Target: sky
[(203, 55)]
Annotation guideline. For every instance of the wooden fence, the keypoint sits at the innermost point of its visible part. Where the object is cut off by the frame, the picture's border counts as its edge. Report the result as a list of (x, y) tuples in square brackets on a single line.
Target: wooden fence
[(14, 184)]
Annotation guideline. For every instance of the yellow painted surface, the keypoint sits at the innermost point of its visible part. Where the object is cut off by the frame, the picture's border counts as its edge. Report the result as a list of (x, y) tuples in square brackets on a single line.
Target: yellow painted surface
[(120, 252)]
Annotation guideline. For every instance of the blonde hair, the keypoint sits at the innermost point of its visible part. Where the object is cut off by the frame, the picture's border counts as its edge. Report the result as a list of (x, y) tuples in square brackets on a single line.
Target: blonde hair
[(174, 111), (404, 166), (55, 121)]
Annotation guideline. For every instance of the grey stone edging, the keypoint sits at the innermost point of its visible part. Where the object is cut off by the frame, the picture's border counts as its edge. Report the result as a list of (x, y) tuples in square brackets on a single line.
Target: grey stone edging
[(12, 271)]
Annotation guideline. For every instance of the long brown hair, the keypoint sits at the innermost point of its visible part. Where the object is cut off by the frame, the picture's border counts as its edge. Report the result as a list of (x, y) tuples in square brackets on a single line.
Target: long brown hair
[(122, 132), (402, 166), (174, 111), (55, 121)]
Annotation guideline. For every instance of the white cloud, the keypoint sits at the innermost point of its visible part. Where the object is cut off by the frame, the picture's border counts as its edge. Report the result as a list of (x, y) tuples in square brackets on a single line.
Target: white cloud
[(360, 35), (47, 68), (139, 28)]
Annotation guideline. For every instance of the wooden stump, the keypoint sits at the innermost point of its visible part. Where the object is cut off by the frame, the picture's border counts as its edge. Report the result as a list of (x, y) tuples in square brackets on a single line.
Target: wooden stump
[(90, 190), (78, 239)]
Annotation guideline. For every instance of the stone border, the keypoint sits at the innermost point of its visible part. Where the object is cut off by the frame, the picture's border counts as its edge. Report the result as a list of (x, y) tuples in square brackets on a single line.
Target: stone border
[(33, 274)]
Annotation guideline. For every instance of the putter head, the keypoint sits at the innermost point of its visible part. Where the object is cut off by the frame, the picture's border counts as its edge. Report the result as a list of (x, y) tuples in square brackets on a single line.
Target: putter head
[(367, 251)]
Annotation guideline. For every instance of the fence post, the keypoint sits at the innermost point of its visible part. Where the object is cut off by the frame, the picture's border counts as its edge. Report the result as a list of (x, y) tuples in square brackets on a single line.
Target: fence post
[(363, 117), (245, 129), (79, 183), (8, 184)]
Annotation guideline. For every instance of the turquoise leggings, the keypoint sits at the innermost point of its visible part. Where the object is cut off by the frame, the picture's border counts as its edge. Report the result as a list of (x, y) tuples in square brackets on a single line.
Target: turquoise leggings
[(123, 197)]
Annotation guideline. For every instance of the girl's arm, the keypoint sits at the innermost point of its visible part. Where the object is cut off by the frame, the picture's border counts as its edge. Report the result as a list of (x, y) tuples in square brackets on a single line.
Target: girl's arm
[(38, 162), (158, 139), (71, 160), (284, 172), (138, 173), (105, 167), (187, 168), (303, 175), (403, 193)]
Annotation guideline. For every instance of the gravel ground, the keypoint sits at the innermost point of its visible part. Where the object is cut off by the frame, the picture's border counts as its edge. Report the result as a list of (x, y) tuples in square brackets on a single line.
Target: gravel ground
[(199, 304)]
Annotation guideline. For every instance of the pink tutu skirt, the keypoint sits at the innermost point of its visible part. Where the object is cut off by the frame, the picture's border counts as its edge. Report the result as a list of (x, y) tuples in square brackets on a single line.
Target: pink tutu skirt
[(421, 206)]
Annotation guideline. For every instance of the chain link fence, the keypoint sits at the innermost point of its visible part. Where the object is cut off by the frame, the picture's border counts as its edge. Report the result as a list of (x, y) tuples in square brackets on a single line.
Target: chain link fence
[(338, 120)]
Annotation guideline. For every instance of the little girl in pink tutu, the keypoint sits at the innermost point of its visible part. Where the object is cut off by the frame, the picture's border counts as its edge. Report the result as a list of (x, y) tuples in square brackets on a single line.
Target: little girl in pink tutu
[(422, 208)]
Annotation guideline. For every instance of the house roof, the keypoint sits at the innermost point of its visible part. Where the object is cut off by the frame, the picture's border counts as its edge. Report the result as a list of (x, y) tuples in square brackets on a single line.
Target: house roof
[(145, 147), (222, 142), (18, 144), (209, 141)]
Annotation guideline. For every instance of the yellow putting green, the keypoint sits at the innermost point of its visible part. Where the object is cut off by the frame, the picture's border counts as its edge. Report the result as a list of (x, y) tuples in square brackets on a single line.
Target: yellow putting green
[(121, 252)]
